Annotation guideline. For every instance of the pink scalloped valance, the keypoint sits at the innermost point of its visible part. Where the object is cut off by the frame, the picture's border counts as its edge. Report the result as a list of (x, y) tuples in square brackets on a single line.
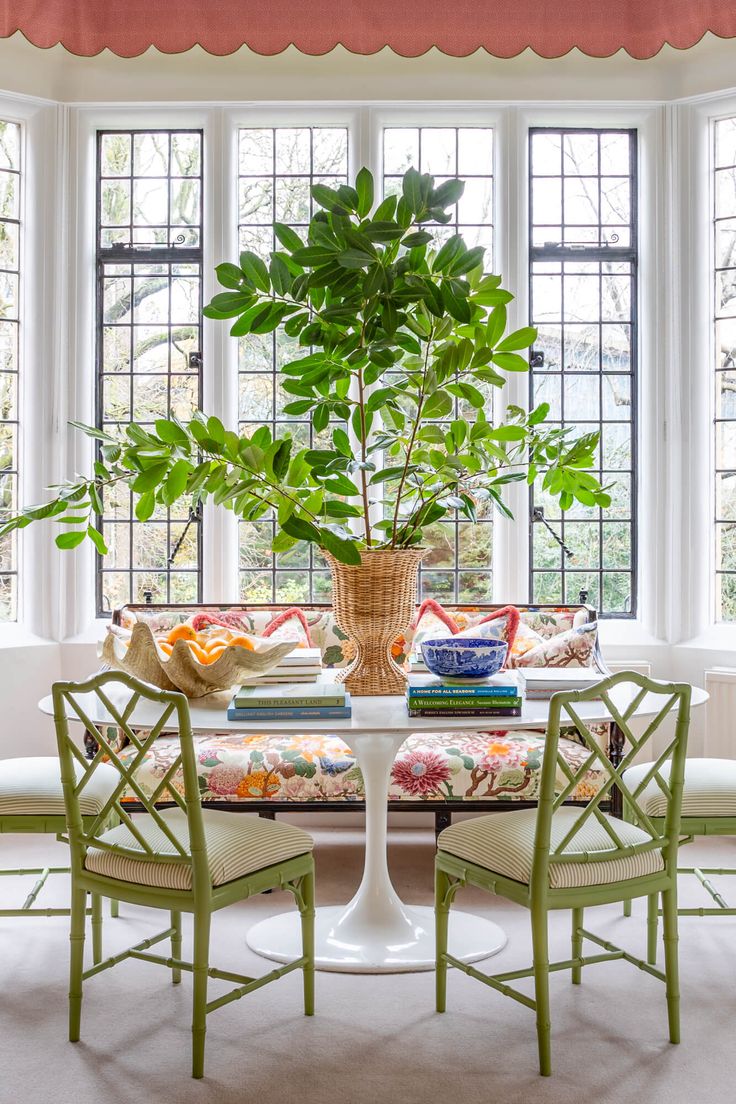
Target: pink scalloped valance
[(458, 27)]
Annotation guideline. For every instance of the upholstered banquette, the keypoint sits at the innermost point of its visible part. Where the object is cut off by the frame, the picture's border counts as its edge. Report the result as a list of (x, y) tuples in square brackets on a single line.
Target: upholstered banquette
[(433, 771)]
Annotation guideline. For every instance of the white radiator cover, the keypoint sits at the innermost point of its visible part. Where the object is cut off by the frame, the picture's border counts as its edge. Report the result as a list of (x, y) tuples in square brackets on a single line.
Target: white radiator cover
[(719, 740), (641, 666)]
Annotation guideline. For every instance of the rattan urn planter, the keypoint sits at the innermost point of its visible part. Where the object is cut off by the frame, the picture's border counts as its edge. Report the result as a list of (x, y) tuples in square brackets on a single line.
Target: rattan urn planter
[(373, 602)]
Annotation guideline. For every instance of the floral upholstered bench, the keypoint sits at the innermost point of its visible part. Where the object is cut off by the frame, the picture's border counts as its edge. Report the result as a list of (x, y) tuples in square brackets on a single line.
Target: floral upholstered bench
[(432, 771)]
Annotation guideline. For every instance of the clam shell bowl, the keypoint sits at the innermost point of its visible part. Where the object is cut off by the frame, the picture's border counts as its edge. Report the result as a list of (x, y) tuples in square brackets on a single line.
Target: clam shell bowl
[(182, 670)]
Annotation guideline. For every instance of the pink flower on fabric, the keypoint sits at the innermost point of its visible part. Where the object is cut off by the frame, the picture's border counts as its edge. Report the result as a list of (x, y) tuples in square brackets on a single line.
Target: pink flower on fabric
[(420, 772), (224, 779)]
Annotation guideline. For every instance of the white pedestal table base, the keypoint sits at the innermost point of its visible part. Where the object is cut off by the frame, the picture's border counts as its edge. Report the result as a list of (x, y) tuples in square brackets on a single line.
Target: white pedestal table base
[(408, 946)]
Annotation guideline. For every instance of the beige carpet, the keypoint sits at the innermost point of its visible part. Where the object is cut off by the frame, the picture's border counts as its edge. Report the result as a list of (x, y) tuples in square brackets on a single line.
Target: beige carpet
[(374, 1039)]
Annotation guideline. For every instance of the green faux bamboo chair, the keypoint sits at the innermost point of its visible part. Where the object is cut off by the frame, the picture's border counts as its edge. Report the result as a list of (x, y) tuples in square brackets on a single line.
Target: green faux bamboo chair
[(559, 857), (708, 809), (181, 859), (32, 803)]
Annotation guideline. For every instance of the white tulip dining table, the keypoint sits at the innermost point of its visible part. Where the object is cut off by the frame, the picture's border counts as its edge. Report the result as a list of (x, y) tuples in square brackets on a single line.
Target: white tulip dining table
[(376, 932)]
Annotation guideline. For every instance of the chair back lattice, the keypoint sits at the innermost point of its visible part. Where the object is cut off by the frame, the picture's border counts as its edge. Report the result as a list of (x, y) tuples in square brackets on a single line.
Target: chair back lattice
[(621, 694), (115, 696)]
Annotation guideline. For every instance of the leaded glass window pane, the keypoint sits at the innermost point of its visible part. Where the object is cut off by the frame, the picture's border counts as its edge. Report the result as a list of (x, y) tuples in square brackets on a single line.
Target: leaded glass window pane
[(277, 167), (10, 260), (149, 341), (459, 564), (724, 232), (583, 296)]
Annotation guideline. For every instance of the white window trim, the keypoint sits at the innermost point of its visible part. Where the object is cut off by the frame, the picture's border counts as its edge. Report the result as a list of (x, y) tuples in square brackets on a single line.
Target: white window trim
[(696, 117)]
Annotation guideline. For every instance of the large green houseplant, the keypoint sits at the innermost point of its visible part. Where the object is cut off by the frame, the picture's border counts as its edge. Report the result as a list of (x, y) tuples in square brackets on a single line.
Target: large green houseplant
[(403, 340)]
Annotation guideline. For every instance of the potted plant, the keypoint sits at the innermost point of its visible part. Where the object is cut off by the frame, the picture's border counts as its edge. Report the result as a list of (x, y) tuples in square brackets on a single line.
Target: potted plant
[(404, 340)]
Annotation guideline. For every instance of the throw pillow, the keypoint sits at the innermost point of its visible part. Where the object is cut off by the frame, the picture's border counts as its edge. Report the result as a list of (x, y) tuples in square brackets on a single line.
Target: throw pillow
[(435, 623), (432, 622), (235, 620), (502, 624), (290, 624), (574, 648)]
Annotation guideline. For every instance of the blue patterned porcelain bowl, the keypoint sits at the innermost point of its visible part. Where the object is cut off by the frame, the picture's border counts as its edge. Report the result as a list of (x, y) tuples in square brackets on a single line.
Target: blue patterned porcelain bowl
[(464, 657)]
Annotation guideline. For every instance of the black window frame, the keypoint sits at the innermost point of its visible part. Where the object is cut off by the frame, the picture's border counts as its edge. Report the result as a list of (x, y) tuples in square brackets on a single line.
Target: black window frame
[(558, 252), (176, 252)]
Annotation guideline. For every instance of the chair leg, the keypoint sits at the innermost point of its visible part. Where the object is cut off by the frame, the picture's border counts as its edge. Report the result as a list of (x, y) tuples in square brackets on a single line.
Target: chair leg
[(96, 928), (442, 820), (76, 960), (626, 816), (577, 943), (671, 966), (442, 919), (114, 908), (541, 988), (199, 1008), (176, 946), (307, 915), (652, 924)]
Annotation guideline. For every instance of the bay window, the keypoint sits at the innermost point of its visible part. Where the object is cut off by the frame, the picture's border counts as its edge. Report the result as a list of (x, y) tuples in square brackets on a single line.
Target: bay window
[(153, 274)]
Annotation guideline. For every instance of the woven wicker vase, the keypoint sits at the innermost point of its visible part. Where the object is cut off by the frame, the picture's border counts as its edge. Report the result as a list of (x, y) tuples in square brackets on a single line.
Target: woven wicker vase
[(373, 602)]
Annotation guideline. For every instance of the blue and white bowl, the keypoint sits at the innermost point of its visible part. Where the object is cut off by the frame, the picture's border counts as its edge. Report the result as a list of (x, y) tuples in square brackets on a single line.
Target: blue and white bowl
[(464, 657)]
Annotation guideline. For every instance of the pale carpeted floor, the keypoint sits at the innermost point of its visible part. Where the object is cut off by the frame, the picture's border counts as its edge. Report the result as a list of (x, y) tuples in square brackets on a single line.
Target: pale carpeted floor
[(375, 1039)]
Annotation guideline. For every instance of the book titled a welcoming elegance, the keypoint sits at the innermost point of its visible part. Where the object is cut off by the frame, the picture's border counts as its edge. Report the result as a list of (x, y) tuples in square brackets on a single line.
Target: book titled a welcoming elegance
[(477, 704), (291, 713), (290, 695)]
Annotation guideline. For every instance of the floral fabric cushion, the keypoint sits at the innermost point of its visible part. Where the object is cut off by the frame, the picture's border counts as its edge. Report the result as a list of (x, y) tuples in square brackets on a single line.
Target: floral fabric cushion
[(312, 768), (338, 651), (575, 648)]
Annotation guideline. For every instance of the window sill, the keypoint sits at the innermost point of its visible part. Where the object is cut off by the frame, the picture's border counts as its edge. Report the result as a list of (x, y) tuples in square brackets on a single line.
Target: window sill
[(716, 638), (627, 634), (18, 636)]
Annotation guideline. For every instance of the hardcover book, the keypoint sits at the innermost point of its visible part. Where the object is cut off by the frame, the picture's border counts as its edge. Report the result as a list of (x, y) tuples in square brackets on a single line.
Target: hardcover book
[(430, 685), (480, 713), (295, 695), (440, 704), (291, 713)]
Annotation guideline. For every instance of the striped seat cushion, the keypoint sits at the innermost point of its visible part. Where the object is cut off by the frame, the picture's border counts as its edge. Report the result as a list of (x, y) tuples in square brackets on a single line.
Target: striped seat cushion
[(709, 790), (236, 846), (504, 844), (32, 787)]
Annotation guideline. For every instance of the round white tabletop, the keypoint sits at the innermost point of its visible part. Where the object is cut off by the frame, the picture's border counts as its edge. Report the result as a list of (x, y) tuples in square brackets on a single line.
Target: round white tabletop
[(375, 932)]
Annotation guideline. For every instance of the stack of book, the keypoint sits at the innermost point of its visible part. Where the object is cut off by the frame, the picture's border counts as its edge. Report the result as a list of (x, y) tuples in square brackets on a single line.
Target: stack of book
[(429, 696), (290, 701), (540, 683), (301, 665)]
